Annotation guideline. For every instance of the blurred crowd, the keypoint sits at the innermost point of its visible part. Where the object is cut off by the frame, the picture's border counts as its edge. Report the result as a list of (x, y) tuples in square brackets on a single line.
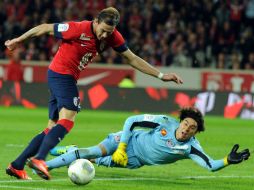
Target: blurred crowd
[(181, 33)]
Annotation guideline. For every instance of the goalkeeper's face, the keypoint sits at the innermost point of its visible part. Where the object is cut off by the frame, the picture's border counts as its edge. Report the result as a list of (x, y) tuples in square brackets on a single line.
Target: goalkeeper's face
[(187, 129)]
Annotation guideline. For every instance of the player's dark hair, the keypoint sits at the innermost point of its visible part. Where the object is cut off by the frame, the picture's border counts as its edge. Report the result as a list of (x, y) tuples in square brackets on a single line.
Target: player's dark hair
[(195, 114), (109, 15)]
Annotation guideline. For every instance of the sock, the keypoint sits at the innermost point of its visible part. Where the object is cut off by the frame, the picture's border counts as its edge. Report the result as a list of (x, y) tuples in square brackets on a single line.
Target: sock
[(67, 158), (55, 135), (29, 151)]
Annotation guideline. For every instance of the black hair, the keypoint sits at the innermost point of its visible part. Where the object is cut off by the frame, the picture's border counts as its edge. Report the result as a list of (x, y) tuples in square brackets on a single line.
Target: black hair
[(109, 15), (195, 114)]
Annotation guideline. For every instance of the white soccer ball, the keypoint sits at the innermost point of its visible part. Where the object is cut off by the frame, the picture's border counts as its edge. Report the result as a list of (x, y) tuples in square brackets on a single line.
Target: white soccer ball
[(81, 171)]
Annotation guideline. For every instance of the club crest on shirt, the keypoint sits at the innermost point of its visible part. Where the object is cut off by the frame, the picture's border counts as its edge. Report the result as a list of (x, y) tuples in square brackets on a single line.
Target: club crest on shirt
[(170, 143), (117, 138), (84, 37), (76, 101)]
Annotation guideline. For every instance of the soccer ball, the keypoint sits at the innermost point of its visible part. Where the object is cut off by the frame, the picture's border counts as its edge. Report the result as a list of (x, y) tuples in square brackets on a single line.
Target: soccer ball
[(81, 171)]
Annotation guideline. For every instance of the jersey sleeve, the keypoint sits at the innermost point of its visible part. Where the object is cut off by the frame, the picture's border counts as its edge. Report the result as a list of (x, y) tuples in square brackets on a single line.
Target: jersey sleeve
[(146, 121), (197, 154), (117, 42), (67, 31)]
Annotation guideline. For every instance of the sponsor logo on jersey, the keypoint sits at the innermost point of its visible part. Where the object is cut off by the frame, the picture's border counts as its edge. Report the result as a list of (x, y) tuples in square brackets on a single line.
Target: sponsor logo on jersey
[(164, 132), (62, 27), (179, 152), (183, 147), (84, 37)]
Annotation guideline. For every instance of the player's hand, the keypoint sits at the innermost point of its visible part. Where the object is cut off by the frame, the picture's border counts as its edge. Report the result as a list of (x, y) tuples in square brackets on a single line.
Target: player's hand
[(235, 157), (172, 77), (120, 156), (12, 44)]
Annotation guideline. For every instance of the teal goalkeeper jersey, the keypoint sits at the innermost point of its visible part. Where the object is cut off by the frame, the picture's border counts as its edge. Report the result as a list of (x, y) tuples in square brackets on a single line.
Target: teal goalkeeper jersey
[(159, 144)]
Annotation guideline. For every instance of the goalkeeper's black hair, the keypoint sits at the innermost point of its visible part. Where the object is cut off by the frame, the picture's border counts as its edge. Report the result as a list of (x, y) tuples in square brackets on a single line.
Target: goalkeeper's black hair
[(195, 114), (109, 15)]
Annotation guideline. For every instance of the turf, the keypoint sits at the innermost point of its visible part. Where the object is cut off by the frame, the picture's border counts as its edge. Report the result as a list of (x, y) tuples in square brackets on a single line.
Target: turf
[(19, 125)]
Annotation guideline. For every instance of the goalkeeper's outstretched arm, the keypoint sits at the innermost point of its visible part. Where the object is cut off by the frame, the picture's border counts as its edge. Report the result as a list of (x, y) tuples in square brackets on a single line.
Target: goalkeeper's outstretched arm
[(234, 157), (146, 121)]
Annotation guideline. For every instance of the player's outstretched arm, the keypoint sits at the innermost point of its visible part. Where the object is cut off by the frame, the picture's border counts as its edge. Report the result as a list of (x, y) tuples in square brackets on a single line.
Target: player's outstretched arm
[(140, 64), (235, 157), (34, 32)]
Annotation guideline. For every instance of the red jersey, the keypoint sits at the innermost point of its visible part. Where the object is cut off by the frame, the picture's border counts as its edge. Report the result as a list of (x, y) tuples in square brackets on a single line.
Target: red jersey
[(79, 46)]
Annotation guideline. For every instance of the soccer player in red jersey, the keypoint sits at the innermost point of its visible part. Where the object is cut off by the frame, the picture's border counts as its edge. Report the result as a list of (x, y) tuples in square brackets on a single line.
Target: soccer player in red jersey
[(81, 41)]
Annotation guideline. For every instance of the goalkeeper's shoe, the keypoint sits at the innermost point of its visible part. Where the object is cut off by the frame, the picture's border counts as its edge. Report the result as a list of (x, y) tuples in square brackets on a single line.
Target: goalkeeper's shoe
[(40, 167), (19, 174), (59, 150)]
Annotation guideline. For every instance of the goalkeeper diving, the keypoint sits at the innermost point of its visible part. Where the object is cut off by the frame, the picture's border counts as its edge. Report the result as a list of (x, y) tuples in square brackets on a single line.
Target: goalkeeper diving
[(150, 140)]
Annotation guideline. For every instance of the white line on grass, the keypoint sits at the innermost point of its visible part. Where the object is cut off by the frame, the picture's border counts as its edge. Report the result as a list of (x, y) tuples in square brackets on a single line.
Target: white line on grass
[(209, 177), (169, 180), (27, 188), (131, 179), (32, 181), (14, 145)]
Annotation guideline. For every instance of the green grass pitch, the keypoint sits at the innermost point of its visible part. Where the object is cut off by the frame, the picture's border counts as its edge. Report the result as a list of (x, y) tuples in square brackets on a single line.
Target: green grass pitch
[(19, 125)]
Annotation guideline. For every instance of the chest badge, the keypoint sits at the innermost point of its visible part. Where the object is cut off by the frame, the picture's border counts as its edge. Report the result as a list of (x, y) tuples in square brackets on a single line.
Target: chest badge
[(164, 132)]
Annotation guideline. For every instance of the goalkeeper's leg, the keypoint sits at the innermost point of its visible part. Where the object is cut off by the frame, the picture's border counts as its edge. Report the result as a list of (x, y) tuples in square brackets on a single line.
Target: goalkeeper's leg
[(106, 147), (77, 153)]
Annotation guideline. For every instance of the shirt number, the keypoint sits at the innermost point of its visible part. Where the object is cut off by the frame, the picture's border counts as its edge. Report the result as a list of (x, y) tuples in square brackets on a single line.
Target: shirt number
[(84, 61)]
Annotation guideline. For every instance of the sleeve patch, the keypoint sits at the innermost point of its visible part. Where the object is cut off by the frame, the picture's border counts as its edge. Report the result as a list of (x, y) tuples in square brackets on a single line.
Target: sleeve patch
[(62, 27), (148, 117)]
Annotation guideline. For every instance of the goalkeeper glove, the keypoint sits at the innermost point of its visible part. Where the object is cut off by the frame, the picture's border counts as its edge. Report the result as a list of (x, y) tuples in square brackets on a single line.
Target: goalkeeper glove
[(235, 157), (120, 156)]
